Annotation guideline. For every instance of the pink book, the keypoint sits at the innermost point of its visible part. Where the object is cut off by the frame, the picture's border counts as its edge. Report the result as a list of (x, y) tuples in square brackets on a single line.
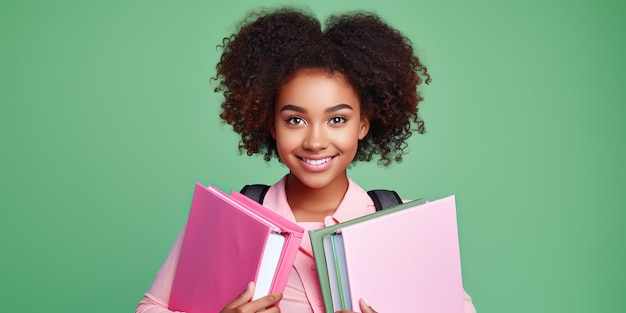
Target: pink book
[(228, 242), (407, 260)]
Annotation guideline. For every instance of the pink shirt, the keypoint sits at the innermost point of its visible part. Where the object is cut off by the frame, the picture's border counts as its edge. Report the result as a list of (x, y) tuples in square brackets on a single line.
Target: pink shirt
[(302, 294)]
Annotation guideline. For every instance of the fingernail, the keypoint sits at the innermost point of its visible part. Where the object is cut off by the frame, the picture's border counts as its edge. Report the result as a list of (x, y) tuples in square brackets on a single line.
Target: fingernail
[(366, 303), (249, 286)]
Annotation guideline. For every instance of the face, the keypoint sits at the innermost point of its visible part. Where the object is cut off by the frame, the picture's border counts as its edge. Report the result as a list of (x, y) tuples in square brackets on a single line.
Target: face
[(317, 126)]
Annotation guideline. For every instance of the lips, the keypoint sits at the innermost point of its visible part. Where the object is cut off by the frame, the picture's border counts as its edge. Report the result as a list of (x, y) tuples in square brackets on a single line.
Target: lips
[(317, 164)]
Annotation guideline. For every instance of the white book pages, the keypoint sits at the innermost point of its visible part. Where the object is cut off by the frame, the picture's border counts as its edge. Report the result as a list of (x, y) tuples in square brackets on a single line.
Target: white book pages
[(269, 265)]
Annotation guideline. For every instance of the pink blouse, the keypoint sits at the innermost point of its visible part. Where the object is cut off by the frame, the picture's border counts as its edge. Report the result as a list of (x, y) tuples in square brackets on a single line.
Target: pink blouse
[(294, 297), (302, 294)]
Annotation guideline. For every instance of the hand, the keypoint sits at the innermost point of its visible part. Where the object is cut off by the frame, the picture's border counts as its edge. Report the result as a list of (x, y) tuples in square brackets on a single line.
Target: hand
[(365, 307), (242, 303)]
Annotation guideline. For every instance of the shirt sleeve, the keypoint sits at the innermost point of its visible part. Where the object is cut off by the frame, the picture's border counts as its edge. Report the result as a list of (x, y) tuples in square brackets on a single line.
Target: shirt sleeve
[(467, 302), (157, 299)]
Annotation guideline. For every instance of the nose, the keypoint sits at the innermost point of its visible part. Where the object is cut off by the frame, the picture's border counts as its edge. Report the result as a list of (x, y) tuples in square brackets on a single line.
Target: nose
[(316, 139)]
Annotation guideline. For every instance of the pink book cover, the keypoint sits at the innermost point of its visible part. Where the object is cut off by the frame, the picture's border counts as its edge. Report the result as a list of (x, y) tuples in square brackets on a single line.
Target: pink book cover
[(408, 260), (221, 252), (293, 236)]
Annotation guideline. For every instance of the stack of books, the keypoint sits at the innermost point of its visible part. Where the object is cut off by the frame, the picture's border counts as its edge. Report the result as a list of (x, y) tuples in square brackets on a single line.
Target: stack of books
[(404, 258)]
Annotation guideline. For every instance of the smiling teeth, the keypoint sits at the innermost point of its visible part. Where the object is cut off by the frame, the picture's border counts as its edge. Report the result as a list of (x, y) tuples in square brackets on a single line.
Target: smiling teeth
[(317, 162)]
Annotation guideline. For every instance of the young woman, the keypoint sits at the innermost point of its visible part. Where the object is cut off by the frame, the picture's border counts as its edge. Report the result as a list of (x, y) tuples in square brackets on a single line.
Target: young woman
[(318, 100)]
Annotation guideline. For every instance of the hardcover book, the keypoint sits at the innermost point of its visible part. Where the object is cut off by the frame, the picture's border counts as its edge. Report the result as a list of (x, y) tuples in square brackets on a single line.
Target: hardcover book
[(229, 241)]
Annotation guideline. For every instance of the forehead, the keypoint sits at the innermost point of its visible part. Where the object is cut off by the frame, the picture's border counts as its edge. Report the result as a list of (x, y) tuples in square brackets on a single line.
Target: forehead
[(317, 88)]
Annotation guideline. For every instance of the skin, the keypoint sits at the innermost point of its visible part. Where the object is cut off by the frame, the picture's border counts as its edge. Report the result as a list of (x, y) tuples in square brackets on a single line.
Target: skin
[(242, 303), (317, 126), (365, 307), (317, 120)]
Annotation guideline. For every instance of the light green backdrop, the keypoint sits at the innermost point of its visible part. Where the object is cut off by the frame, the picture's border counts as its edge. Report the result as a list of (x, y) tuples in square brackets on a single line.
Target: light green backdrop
[(108, 119)]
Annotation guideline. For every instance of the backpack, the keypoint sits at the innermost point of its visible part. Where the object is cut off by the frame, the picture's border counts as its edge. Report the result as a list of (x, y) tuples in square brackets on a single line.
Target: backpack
[(382, 198)]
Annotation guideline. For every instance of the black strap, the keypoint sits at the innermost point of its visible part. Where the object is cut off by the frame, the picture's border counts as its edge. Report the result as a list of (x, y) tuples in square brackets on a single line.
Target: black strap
[(255, 192), (382, 198)]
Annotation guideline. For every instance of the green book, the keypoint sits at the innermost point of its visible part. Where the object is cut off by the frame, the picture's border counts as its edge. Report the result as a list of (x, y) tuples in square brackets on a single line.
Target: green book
[(317, 243)]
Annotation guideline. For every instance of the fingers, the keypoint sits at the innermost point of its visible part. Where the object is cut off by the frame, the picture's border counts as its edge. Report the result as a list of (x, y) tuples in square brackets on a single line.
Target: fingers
[(365, 307), (242, 298), (242, 302), (265, 302)]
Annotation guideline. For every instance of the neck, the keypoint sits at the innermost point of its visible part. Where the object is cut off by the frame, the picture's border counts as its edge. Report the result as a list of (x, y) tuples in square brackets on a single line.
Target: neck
[(314, 204)]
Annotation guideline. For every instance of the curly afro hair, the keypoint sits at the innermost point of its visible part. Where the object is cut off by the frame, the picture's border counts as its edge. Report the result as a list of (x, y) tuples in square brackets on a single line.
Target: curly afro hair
[(377, 60)]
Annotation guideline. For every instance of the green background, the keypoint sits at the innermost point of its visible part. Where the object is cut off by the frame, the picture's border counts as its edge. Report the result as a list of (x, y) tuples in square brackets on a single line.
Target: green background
[(108, 119)]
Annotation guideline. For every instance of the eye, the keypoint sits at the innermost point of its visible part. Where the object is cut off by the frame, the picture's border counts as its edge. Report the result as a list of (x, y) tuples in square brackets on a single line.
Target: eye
[(337, 120), (295, 120)]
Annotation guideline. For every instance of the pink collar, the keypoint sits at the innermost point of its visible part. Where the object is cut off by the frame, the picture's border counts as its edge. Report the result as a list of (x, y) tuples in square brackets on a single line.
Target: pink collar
[(355, 203)]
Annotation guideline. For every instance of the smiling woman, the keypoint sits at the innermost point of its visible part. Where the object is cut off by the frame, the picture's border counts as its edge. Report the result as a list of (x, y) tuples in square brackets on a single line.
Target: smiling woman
[(107, 120), (318, 100)]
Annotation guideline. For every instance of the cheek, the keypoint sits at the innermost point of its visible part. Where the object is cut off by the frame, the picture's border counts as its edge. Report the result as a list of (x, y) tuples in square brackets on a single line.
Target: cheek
[(349, 140), (285, 141)]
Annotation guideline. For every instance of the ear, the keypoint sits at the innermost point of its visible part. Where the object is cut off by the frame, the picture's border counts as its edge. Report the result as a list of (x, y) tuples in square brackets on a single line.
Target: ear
[(364, 127)]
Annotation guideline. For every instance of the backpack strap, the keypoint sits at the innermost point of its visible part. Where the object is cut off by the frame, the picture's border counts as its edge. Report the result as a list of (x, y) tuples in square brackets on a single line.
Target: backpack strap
[(255, 192), (382, 198)]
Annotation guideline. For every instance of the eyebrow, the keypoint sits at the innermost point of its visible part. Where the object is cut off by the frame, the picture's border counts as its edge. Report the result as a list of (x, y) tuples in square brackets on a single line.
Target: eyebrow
[(291, 107)]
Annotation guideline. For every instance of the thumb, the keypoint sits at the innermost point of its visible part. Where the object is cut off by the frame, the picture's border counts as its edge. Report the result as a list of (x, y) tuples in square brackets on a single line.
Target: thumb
[(365, 306), (243, 297)]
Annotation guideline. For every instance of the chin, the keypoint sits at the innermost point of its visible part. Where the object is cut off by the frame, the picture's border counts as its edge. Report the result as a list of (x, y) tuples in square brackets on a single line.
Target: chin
[(319, 182)]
